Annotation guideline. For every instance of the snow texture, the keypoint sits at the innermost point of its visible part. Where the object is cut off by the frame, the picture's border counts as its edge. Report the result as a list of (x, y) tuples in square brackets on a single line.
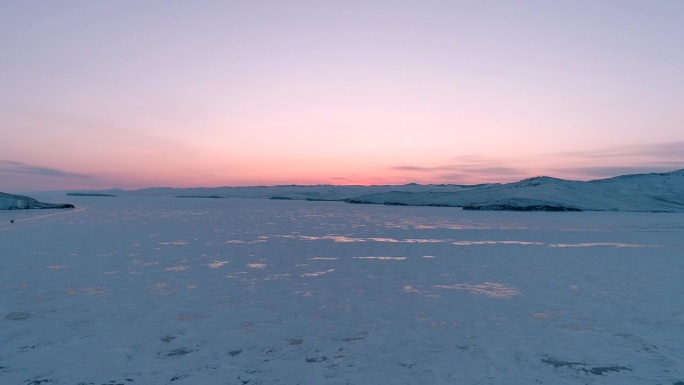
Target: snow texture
[(145, 290)]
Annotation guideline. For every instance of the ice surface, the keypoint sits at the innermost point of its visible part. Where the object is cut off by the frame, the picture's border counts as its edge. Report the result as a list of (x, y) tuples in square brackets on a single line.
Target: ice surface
[(142, 290)]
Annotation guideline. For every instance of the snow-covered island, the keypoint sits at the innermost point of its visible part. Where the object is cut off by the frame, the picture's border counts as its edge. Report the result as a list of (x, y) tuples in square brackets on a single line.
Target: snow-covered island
[(21, 202), (656, 192)]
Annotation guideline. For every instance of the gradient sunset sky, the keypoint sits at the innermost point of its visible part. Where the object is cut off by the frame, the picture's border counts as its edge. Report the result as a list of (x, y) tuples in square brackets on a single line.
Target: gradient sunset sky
[(129, 93)]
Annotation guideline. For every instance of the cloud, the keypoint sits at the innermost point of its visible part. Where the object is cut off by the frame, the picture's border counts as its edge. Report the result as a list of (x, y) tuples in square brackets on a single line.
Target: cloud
[(422, 169), (635, 159), (18, 168), (591, 164), (607, 172), (657, 152), (466, 169)]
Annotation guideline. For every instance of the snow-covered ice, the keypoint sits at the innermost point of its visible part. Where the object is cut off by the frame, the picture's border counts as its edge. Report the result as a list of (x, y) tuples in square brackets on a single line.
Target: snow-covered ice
[(144, 290)]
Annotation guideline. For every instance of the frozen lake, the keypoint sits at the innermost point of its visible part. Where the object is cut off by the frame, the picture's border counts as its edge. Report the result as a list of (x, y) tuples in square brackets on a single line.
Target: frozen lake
[(232, 291)]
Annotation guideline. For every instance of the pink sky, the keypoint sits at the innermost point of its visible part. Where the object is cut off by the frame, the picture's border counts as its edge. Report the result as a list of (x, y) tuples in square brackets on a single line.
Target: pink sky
[(216, 93)]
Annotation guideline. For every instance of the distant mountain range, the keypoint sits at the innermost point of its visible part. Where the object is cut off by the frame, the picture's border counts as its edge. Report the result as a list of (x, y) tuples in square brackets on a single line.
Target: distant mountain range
[(656, 192)]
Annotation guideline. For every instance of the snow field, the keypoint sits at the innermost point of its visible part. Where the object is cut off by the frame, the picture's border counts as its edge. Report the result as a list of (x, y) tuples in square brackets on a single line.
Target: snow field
[(187, 291)]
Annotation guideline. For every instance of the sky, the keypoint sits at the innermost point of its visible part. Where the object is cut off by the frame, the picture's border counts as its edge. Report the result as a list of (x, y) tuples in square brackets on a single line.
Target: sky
[(132, 94)]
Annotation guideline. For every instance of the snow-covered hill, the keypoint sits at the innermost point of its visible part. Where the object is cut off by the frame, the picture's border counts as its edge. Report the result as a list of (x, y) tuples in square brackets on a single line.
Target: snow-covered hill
[(20, 202), (299, 192), (639, 192)]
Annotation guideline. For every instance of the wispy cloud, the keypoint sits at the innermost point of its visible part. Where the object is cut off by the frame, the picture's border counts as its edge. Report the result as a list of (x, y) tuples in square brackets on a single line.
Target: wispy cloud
[(654, 151), (465, 169), (594, 164), (422, 168), (19, 168), (635, 159), (607, 171)]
